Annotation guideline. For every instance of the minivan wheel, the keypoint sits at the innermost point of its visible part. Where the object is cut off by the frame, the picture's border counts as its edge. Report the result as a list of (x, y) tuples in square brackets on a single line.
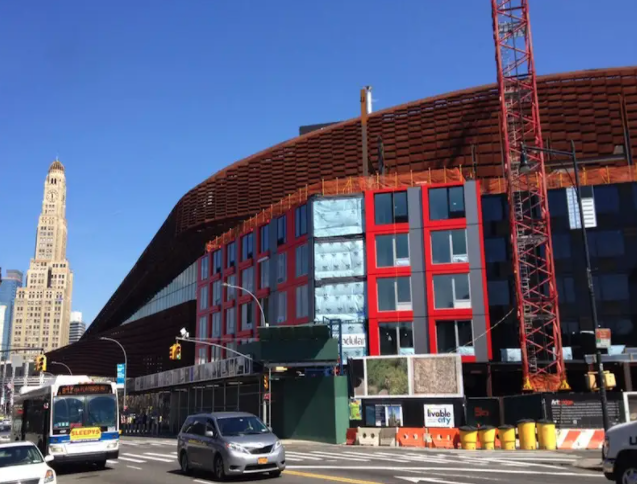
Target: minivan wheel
[(219, 471), (183, 462)]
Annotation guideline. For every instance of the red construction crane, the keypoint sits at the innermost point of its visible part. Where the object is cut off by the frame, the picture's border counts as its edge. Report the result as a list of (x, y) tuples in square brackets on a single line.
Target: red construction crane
[(532, 251)]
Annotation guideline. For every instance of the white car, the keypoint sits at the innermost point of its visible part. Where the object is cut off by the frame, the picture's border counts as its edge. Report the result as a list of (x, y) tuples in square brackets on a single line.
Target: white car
[(23, 462)]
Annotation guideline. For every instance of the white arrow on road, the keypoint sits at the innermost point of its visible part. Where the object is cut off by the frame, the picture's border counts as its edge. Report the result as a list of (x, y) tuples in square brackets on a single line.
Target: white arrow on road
[(430, 479)]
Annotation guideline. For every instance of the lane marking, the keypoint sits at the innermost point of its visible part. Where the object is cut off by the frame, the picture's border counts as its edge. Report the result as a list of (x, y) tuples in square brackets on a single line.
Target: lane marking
[(292, 459), (202, 481), (128, 459), (328, 478), (442, 469), (136, 468), (490, 479), (112, 462), (429, 479), (419, 458)]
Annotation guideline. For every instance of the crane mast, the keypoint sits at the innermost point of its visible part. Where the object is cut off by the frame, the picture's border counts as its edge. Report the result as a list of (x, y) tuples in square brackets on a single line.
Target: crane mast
[(532, 252)]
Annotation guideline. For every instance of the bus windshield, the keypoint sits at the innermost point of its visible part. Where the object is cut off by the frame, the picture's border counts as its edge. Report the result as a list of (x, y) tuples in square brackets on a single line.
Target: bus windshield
[(84, 411)]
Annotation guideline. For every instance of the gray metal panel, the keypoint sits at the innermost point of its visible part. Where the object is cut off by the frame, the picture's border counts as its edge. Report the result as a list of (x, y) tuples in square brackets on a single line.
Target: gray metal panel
[(474, 242), (417, 262), (480, 345), (479, 317), (414, 204), (470, 202)]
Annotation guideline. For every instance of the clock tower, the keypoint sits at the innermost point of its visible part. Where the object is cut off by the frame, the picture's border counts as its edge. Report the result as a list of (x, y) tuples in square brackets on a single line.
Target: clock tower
[(42, 310)]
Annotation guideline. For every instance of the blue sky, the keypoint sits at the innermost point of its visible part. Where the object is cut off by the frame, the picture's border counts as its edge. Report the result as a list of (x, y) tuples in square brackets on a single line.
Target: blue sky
[(143, 100)]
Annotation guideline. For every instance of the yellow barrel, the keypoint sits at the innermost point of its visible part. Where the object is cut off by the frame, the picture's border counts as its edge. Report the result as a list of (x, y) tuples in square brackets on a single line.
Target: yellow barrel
[(546, 435), (507, 437), (526, 433), (468, 437), (486, 435)]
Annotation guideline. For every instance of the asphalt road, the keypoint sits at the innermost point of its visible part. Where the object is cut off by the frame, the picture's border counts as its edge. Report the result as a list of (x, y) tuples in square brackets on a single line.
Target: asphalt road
[(154, 461)]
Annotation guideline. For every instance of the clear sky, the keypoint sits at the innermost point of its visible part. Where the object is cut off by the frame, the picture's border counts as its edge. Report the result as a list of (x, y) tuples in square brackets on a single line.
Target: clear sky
[(144, 99)]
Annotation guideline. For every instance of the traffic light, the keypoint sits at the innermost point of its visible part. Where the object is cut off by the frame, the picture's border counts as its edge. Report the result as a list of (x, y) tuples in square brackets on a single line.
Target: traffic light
[(178, 351), (266, 382), (171, 352), (40, 363)]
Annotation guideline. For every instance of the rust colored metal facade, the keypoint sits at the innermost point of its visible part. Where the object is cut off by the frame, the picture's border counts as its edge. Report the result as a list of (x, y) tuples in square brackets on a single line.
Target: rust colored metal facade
[(451, 130)]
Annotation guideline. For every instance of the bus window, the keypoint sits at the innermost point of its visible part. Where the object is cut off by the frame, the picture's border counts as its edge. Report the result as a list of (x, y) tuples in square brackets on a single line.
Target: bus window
[(68, 412), (102, 411)]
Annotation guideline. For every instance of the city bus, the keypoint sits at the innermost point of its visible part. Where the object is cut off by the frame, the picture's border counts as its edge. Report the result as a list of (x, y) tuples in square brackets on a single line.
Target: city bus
[(73, 419)]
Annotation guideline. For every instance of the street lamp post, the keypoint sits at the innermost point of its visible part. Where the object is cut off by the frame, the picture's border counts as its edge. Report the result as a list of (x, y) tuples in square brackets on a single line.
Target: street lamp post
[(62, 364), (601, 383), (263, 319), (125, 365)]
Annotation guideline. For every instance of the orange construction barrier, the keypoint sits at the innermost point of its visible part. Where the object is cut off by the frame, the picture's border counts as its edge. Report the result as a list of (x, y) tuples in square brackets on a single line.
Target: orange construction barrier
[(411, 437), (444, 438), (350, 436)]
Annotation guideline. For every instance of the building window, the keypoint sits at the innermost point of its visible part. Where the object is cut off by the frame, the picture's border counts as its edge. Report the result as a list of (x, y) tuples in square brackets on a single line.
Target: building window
[(231, 291), (205, 267), (231, 320), (264, 238), (247, 316), (449, 246), (247, 247), (561, 246), (302, 260), (557, 203), (281, 267), (282, 307), (216, 325), (611, 287), (265, 308), (216, 293), (390, 208), (264, 274), (396, 338), (300, 220), (451, 291), (392, 250), (231, 249), (203, 327), (606, 198), (499, 293), (202, 357), (492, 208), (281, 230), (495, 249), (606, 243), (451, 336), (302, 305), (203, 298), (247, 279), (394, 294), (446, 203), (565, 289)]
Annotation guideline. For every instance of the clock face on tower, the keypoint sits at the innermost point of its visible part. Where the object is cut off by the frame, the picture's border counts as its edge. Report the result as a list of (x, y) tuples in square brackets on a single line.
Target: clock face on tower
[(50, 196)]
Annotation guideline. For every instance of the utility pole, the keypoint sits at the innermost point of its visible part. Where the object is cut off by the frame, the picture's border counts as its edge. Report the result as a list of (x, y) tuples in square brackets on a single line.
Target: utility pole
[(366, 109)]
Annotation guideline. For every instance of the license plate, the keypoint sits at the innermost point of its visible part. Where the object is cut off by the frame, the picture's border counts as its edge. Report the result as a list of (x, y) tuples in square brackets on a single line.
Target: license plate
[(262, 460)]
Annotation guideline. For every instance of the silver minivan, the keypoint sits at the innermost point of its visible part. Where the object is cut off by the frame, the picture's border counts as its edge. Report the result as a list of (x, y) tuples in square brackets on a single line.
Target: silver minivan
[(229, 444)]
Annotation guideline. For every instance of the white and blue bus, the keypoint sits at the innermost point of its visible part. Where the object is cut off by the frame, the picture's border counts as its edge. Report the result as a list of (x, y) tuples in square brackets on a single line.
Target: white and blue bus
[(73, 419)]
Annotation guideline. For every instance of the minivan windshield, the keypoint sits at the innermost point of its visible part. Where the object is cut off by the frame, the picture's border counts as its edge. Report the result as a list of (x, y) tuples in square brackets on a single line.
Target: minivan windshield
[(235, 426)]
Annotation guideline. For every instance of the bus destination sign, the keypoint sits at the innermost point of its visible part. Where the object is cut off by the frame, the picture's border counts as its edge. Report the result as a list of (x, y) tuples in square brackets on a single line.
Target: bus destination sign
[(88, 389)]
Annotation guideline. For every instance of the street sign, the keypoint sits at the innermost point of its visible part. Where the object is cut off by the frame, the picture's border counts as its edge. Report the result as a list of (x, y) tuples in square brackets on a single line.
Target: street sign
[(121, 372), (266, 396), (602, 338)]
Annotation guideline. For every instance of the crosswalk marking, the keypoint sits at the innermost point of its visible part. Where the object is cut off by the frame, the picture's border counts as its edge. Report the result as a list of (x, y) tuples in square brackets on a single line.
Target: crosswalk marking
[(136, 456), (128, 459), (165, 456), (301, 455), (360, 454), (337, 456), (111, 462)]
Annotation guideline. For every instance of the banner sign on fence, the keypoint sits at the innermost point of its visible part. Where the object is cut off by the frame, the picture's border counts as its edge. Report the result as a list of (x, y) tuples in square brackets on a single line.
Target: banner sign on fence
[(439, 416), (582, 410)]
